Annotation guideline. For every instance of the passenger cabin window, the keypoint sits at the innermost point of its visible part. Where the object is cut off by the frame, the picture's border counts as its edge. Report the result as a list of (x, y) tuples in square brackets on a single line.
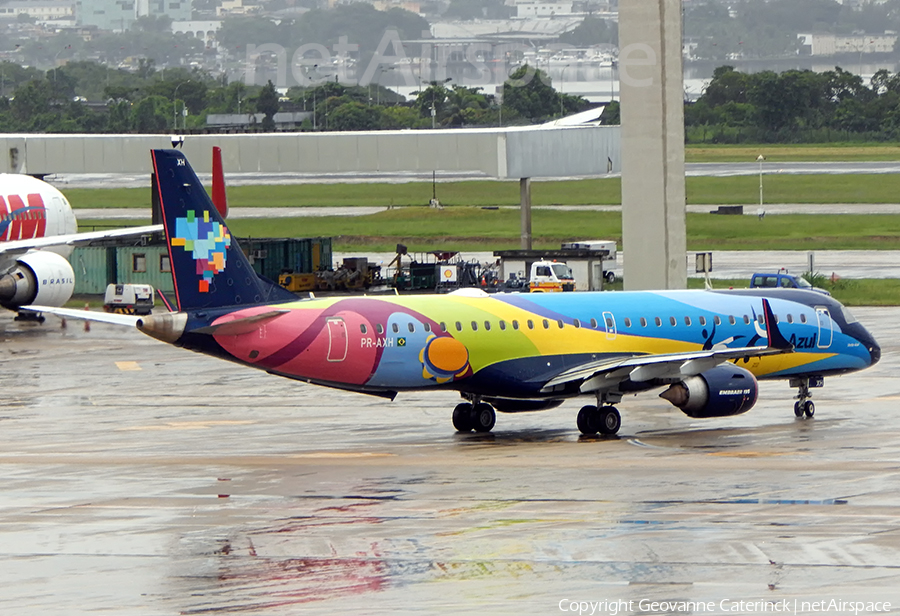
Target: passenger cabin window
[(395, 328), (658, 321), (687, 321), (427, 326), (762, 319), (379, 328), (515, 324), (411, 327), (487, 326), (474, 326), (702, 321), (609, 323), (458, 326), (576, 323), (717, 320), (443, 326), (503, 325), (731, 319), (530, 324), (790, 318), (627, 322), (560, 324), (803, 318), (362, 328), (594, 323), (746, 320), (672, 321), (776, 318), (546, 323), (643, 322)]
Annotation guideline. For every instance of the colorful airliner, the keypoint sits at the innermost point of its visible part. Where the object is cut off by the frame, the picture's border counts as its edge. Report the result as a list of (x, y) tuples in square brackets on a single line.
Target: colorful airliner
[(507, 351)]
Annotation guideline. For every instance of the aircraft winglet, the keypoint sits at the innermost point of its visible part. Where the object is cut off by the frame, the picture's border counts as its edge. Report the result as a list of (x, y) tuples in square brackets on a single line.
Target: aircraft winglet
[(774, 335)]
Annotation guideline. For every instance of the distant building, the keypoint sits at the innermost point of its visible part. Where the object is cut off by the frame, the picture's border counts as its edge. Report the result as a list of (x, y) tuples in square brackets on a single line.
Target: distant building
[(833, 44), (39, 10), (236, 7), (119, 15), (203, 30), (284, 120), (531, 8)]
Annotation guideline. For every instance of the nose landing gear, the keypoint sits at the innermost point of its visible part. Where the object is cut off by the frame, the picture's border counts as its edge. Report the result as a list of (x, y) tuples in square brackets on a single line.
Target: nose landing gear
[(804, 406)]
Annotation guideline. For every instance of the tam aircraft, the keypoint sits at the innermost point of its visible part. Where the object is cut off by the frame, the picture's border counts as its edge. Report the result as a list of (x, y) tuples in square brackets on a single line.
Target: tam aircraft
[(38, 231), (505, 352)]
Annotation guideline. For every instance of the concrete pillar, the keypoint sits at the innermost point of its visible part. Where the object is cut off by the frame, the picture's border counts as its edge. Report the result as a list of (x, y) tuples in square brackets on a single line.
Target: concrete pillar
[(525, 201), (652, 98)]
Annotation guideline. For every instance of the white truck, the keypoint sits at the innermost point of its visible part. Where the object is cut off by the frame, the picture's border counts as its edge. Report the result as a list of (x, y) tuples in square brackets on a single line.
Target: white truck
[(129, 298), (598, 245), (550, 277)]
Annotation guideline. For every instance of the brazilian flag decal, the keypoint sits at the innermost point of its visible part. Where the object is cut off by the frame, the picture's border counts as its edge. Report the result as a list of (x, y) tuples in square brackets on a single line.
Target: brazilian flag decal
[(401, 342)]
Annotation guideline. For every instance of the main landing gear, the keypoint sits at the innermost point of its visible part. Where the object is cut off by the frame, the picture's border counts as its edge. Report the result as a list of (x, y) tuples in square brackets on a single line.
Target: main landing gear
[(604, 419), (479, 417), (804, 406)]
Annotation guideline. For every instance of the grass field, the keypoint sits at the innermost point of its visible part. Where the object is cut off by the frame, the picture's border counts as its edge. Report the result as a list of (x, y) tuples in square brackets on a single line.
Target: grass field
[(738, 190), (478, 229), (775, 153)]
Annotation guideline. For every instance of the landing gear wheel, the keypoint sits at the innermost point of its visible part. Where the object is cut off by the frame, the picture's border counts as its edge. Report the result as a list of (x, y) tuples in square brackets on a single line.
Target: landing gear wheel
[(483, 417), (587, 420), (462, 417), (798, 410), (809, 409), (609, 420)]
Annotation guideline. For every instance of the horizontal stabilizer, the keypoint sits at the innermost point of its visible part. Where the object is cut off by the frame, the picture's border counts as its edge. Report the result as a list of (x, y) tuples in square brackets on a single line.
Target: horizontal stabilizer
[(245, 325), (88, 315)]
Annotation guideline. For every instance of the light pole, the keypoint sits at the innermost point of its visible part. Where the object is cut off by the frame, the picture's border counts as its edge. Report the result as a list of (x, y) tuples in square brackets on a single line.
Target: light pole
[(562, 75), (434, 86), (175, 104), (56, 57), (760, 160)]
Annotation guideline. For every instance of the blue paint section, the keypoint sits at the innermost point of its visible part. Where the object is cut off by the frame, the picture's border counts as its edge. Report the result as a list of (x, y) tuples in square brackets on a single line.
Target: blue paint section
[(400, 365)]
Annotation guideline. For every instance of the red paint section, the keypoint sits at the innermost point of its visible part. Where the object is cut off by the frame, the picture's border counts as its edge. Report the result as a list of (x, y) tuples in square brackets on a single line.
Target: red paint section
[(3, 213), (15, 225), (299, 343), (37, 216), (219, 198)]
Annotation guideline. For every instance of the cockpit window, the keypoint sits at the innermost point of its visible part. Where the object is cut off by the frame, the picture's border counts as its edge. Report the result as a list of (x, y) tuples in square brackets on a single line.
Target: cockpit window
[(562, 270), (848, 316)]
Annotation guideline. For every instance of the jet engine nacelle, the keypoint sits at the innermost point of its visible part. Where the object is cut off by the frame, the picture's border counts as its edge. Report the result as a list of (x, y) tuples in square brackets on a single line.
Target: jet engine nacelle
[(39, 277), (722, 391)]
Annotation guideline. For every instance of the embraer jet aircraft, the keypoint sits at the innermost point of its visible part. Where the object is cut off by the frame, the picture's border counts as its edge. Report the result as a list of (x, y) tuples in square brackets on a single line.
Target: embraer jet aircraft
[(508, 351), (37, 233)]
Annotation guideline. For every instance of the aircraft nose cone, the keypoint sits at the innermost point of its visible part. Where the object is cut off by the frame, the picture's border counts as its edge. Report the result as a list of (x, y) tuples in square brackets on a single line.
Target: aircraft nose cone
[(875, 352)]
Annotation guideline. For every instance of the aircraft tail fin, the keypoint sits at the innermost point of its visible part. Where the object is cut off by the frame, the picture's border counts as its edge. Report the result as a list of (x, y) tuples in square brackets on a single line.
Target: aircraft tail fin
[(219, 197), (208, 267)]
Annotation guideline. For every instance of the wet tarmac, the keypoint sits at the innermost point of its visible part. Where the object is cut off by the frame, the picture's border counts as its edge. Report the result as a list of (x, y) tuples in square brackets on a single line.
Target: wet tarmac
[(137, 478)]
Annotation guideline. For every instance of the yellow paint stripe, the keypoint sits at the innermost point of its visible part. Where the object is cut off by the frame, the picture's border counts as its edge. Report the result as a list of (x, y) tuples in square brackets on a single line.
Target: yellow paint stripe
[(128, 366)]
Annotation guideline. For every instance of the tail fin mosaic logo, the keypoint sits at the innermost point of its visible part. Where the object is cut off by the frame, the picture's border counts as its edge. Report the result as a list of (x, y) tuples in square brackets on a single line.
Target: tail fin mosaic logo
[(207, 241)]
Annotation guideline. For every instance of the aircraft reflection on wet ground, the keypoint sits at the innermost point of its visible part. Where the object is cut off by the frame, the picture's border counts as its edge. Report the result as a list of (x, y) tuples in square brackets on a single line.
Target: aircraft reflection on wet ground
[(186, 485)]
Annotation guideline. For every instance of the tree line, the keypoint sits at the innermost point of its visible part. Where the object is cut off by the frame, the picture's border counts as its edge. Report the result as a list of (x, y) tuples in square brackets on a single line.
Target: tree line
[(87, 97), (795, 106)]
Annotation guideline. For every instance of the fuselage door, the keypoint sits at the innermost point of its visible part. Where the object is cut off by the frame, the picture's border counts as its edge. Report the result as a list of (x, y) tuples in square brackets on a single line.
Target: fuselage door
[(337, 339), (824, 319), (610, 322)]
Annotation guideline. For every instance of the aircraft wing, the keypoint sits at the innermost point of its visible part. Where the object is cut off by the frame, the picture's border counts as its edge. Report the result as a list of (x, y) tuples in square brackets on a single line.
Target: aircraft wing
[(605, 374), (75, 239)]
